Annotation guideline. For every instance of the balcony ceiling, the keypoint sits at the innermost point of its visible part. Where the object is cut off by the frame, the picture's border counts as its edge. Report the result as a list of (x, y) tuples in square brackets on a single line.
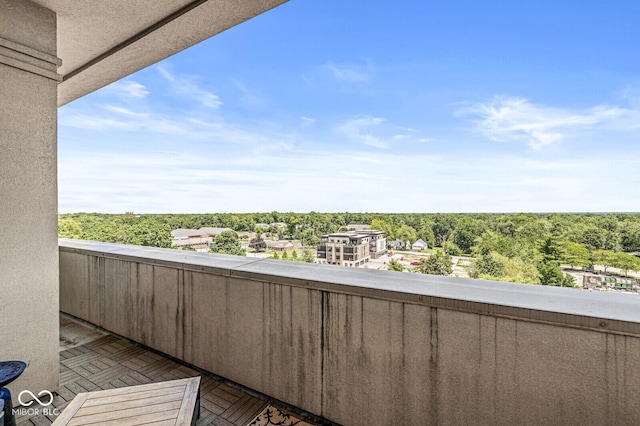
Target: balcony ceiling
[(100, 42)]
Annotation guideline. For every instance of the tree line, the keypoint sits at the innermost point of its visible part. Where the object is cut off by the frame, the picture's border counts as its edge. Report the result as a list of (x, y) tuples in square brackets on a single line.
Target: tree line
[(510, 247)]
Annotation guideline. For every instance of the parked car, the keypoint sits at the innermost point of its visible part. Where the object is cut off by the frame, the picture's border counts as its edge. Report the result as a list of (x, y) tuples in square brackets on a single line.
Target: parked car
[(415, 263)]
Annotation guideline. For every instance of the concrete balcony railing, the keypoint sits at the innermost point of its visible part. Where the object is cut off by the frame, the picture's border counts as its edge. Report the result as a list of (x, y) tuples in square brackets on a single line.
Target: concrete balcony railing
[(364, 347)]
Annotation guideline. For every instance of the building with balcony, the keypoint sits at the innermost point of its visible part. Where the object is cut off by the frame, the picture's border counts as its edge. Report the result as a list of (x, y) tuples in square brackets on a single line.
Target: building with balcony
[(377, 243), (344, 248), (353, 346)]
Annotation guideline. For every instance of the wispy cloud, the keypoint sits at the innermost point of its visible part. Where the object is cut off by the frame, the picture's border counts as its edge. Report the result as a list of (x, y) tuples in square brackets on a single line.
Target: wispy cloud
[(376, 132), (126, 111), (147, 119), (218, 180), (248, 97), (348, 73), (360, 130), (306, 121), (517, 119), (127, 88), (186, 86)]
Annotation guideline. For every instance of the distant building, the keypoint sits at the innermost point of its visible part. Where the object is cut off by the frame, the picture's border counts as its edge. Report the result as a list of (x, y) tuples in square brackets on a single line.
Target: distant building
[(351, 248), (377, 242), (419, 245), (397, 244), (184, 233), (280, 245), (213, 232), (197, 239)]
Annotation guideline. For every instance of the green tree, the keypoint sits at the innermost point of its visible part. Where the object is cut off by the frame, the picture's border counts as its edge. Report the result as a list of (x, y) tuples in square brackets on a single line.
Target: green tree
[(624, 262), (550, 274), (518, 271), (443, 226), (575, 254), (551, 249), (394, 265), (439, 263), (487, 265), (451, 248), (285, 255), (227, 242), (630, 237), (491, 241), (294, 256), (307, 256), (275, 255), (594, 238), (309, 238), (383, 223), (258, 244), (495, 266), (466, 232), (605, 258), (69, 228), (406, 233)]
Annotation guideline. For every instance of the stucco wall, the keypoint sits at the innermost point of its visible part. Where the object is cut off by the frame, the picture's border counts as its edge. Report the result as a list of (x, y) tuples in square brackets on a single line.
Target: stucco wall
[(369, 347), (28, 193)]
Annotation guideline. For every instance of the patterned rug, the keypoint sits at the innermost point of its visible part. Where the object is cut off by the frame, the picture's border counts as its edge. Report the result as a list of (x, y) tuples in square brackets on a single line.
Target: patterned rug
[(273, 416)]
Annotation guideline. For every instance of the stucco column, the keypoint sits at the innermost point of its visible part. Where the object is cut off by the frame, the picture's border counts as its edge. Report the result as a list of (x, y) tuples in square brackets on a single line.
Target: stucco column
[(28, 193)]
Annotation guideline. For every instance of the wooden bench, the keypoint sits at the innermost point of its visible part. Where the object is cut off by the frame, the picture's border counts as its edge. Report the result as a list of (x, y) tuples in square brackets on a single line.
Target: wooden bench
[(176, 402)]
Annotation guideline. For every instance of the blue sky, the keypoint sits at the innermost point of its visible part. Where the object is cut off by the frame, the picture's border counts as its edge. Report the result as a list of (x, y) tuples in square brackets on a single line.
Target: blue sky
[(377, 106)]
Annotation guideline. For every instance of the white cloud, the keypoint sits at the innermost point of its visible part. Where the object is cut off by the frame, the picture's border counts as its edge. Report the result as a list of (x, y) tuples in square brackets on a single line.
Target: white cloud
[(186, 86), (128, 88), (126, 111), (166, 74), (347, 73), (249, 97), (152, 124), (306, 121), (359, 130), (215, 180), (512, 118), (376, 132), (401, 137)]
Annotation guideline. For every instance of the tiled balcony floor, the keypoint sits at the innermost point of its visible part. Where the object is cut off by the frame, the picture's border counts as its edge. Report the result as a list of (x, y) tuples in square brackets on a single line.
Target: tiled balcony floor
[(91, 360)]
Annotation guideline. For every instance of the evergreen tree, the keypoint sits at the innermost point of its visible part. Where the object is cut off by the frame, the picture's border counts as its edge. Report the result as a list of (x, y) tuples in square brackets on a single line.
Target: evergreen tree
[(394, 265), (438, 263)]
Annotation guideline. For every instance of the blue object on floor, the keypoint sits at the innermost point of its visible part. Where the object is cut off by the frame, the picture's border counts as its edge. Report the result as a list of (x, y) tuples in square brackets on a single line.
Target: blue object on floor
[(9, 371)]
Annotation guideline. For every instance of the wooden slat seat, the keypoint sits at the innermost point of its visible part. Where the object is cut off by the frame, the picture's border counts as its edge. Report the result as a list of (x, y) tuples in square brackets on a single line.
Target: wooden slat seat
[(175, 402)]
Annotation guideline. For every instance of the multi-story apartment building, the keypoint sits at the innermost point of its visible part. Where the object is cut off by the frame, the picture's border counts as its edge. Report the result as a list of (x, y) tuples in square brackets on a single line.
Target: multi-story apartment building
[(352, 248), (344, 248), (377, 242)]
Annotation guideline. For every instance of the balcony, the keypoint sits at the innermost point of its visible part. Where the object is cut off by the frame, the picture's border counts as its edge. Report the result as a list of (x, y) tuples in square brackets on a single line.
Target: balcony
[(92, 360), (363, 347)]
